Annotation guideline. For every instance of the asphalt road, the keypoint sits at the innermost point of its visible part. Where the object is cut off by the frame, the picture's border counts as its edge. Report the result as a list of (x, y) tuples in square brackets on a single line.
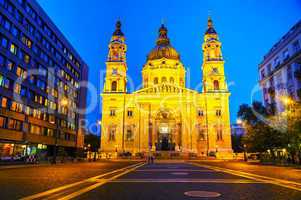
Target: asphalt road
[(172, 180), (135, 181), (19, 182)]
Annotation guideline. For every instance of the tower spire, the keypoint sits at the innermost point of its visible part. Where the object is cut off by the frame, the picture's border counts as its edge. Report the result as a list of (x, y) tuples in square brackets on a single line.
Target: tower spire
[(210, 28), (118, 31), (163, 39)]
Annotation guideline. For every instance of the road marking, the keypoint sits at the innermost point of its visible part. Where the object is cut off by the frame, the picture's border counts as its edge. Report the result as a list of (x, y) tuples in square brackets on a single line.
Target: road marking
[(283, 183), (176, 170), (185, 181), (202, 194), (102, 182), (179, 173), (58, 189)]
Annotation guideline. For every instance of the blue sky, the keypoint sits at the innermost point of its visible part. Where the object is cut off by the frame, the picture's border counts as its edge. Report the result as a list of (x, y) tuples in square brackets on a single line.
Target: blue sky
[(247, 30)]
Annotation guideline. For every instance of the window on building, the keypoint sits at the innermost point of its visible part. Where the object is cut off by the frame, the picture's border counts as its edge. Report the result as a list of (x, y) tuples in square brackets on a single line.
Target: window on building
[(129, 134), (114, 72), (14, 124), (13, 48), (218, 113), (14, 31), (26, 58), (200, 113), (202, 133), (4, 42), (7, 25), (219, 134), (171, 80), (6, 83), (114, 86), (3, 102), (296, 46), (262, 73), (285, 54), (17, 88), (41, 84), (130, 113), (216, 85), (112, 132), (34, 129), (163, 79), (2, 61), (155, 80), (269, 68), (276, 61), (112, 112), (9, 65), (2, 122), (20, 72)]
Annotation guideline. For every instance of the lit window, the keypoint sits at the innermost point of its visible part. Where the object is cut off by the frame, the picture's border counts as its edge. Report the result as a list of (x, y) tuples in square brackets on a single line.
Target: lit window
[(13, 49), (3, 102), (9, 65), (2, 122)]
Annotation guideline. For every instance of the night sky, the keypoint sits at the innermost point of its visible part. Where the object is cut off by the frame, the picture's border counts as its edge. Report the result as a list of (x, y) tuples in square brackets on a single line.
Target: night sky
[(246, 28)]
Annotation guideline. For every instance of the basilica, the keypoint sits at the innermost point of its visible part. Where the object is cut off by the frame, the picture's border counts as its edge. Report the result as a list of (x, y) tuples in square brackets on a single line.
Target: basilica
[(164, 115)]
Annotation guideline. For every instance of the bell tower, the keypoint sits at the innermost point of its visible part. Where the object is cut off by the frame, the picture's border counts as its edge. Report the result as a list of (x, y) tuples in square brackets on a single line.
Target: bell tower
[(214, 79), (116, 67)]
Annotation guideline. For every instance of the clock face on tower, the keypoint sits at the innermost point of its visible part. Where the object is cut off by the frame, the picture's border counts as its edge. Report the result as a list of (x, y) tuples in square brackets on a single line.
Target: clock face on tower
[(214, 70)]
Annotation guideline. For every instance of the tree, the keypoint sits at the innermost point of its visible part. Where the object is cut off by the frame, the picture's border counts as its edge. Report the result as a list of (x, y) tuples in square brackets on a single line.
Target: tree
[(260, 136), (93, 141)]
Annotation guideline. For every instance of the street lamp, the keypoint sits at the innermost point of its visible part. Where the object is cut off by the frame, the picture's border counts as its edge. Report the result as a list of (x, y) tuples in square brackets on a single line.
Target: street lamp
[(245, 153), (239, 121)]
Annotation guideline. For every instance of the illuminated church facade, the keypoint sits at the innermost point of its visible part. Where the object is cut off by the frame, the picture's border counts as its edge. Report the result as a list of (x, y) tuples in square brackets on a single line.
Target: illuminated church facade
[(164, 115)]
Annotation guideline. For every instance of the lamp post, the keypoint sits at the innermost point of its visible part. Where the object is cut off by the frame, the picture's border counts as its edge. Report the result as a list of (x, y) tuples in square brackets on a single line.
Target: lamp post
[(245, 153)]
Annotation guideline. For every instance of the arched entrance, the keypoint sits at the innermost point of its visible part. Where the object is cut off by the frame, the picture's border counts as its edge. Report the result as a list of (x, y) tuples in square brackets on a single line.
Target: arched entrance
[(165, 128)]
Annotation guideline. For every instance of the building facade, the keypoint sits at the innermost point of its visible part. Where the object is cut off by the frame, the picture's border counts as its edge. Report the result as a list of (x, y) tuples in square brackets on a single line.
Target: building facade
[(280, 70), (164, 115), (40, 75)]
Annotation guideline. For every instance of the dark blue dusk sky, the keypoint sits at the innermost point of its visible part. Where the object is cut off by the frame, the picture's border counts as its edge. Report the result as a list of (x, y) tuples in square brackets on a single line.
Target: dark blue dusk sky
[(246, 28)]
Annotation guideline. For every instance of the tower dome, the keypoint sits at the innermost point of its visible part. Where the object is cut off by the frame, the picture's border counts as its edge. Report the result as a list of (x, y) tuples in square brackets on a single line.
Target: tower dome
[(163, 48)]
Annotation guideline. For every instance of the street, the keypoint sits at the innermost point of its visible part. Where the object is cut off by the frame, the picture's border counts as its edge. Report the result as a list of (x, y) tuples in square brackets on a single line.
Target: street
[(137, 180), (16, 183)]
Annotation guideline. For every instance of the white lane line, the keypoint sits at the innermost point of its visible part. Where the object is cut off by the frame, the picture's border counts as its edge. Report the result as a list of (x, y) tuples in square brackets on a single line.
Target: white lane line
[(51, 191), (232, 181), (279, 182), (102, 182)]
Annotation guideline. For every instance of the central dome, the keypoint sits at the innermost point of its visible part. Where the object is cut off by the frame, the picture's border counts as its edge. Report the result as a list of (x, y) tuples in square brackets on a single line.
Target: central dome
[(163, 49)]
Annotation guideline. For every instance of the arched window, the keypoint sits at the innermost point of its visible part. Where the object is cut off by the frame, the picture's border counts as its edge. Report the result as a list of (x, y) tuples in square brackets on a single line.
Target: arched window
[(171, 80), (156, 80), (216, 85), (114, 86), (163, 80)]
